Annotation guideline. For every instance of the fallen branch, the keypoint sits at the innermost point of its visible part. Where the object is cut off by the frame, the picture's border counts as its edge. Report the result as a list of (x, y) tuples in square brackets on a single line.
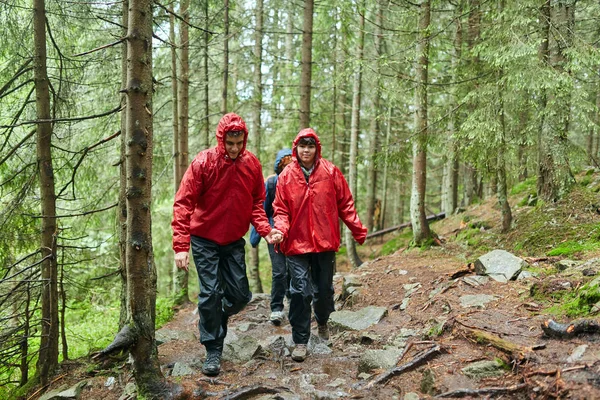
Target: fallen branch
[(462, 272), (557, 330), (249, 391), (513, 349), (414, 363), (476, 393)]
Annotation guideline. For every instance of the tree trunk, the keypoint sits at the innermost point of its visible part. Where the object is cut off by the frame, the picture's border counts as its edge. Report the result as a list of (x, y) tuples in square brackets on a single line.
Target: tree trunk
[(474, 28), (451, 167), (141, 271), (354, 130), (522, 149), (554, 175), (122, 217), (180, 276), (306, 73), (254, 275), (386, 161), (420, 226), (225, 57), (502, 188), (256, 284), (205, 140), (48, 354), (375, 124), (342, 106), (290, 55)]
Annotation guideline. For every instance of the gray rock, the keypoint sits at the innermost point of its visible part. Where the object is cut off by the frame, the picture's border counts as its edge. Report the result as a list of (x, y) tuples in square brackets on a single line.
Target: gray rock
[(182, 369), (401, 338), (411, 396), (374, 359), (318, 346), (565, 264), (483, 369), (404, 303), (577, 353), (500, 265), (164, 335), (410, 288), (258, 297), (337, 383), (476, 300), (476, 280), (364, 376), (130, 392), (240, 349), (246, 326), (357, 320), (525, 275), (70, 393)]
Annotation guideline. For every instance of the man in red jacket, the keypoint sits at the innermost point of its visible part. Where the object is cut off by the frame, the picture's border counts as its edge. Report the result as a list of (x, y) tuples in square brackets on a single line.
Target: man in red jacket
[(312, 195), (221, 193)]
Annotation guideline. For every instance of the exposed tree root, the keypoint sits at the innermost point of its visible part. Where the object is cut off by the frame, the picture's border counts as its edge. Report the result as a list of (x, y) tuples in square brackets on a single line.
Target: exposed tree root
[(476, 393), (557, 330), (122, 342), (414, 363)]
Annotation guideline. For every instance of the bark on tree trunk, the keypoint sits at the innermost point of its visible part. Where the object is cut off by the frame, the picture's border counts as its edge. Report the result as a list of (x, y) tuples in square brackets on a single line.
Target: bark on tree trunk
[(254, 278), (451, 167), (471, 184), (206, 123), (306, 73), (421, 232), (375, 124), (48, 354), (122, 217), (180, 276), (554, 175), (353, 258), (385, 196), (256, 284), (501, 168), (225, 57), (141, 270)]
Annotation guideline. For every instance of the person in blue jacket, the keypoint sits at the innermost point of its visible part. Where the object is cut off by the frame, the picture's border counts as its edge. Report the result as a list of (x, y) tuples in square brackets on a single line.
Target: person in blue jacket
[(280, 278)]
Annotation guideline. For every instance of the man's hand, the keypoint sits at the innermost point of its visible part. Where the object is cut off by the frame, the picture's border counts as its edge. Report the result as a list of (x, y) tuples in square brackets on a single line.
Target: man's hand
[(274, 237), (182, 260)]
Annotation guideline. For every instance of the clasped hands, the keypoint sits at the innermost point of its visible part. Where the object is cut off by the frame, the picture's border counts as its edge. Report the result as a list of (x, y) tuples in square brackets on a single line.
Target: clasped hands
[(274, 237)]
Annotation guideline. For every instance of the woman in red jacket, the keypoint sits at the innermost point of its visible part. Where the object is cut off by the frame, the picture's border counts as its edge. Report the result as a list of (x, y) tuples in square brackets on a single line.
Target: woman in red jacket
[(312, 196), (221, 193)]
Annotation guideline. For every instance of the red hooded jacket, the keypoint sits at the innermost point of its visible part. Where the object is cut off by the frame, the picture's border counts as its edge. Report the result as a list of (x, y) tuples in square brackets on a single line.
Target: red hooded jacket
[(308, 213), (219, 197)]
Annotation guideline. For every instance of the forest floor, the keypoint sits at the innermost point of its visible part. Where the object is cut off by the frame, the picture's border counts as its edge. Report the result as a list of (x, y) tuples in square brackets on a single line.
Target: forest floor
[(506, 329)]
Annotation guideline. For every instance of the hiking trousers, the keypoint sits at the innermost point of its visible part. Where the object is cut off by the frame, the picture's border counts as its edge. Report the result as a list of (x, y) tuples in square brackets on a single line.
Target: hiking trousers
[(224, 289), (311, 282), (280, 281)]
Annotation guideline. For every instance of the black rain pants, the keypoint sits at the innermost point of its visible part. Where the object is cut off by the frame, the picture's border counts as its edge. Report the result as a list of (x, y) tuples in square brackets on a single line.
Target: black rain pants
[(224, 289), (311, 282)]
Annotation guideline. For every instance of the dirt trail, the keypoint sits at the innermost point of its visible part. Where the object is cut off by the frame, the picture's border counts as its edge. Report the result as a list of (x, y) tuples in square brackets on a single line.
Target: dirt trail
[(434, 319)]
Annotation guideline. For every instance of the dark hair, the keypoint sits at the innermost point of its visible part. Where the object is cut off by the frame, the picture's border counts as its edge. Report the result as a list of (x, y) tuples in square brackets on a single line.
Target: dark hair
[(307, 141), (234, 133)]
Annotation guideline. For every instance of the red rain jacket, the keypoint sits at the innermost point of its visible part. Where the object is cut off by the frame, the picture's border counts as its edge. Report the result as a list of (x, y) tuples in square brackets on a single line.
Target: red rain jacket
[(308, 213), (219, 197)]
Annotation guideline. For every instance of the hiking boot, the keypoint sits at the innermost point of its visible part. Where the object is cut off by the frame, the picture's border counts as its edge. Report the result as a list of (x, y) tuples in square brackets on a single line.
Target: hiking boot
[(212, 364), (323, 331), (276, 317), (299, 353)]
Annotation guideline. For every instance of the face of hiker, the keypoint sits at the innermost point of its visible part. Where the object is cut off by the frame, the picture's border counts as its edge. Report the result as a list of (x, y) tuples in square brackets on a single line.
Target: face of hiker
[(306, 154), (234, 142)]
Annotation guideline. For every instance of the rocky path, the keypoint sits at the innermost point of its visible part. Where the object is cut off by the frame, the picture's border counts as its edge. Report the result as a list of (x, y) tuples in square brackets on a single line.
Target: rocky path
[(447, 331)]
